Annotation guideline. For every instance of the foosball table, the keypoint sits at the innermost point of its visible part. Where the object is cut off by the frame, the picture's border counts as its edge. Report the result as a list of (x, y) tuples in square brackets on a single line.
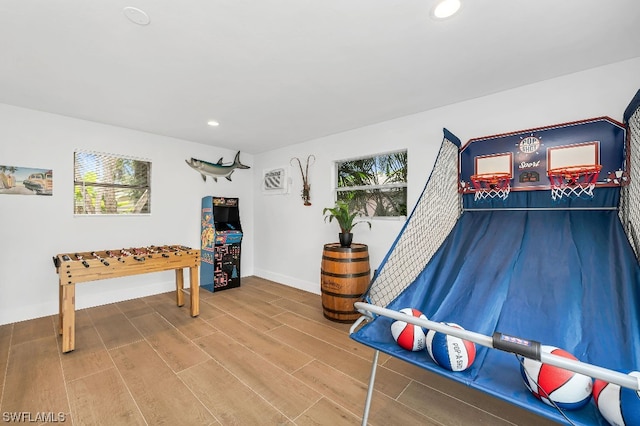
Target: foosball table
[(75, 268)]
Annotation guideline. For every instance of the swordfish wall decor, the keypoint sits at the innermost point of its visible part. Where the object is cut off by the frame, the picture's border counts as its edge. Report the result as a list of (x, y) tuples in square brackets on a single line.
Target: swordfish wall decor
[(216, 170)]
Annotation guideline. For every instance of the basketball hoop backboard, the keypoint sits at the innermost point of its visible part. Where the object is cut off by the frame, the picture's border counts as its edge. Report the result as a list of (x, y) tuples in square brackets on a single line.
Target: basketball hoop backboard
[(592, 150), (575, 155), (493, 176), (494, 164), (573, 169)]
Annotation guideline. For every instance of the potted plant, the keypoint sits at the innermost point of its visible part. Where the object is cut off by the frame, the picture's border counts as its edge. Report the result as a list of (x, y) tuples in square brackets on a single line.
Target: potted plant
[(345, 219)]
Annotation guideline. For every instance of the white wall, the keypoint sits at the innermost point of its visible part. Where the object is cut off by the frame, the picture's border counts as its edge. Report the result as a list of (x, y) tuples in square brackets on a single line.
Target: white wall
[(289, 237), (283, 239), (35, 228)]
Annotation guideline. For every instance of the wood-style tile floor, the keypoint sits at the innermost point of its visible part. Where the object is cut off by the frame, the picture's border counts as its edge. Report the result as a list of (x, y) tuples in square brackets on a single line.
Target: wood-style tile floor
[(261, 354)]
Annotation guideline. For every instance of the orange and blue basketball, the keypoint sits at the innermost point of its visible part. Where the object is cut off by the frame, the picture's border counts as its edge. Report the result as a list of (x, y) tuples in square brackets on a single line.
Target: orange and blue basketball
[(568, 390), (409, 336), (619, 406), (452, 353)]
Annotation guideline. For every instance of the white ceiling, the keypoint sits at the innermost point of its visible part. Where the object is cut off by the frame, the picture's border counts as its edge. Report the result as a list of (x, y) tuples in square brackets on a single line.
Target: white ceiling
[(279, 72)]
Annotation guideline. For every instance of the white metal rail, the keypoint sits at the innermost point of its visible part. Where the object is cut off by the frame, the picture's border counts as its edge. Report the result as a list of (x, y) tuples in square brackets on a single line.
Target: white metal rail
[(587, 369)]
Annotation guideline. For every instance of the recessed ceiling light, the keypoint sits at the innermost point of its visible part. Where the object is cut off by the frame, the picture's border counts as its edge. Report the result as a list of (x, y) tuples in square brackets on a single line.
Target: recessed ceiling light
[(136, 15), (213, 123), (445, 8)]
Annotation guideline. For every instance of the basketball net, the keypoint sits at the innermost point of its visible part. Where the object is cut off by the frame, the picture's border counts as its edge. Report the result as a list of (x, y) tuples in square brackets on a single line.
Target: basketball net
[(491, 185), (573, 182)]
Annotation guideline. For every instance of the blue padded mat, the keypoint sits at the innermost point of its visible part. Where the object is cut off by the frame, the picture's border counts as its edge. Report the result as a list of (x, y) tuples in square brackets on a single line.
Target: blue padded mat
[(567, 278)]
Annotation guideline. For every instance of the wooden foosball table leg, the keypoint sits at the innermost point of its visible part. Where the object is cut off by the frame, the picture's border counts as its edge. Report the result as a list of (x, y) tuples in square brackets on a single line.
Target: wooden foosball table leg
[(68, 316), (60, 296), (179, 287), (195, 291)]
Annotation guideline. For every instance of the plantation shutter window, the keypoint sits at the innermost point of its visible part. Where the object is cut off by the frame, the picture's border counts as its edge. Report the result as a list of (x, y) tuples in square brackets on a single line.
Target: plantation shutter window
[(111, 184)]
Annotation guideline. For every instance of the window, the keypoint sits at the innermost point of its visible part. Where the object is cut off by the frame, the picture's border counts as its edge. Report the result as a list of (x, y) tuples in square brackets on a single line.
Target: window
[(111, 184), (374, 186)]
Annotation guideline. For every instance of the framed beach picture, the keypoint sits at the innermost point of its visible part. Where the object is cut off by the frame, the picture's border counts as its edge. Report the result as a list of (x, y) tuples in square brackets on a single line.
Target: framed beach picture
[(25, 180)]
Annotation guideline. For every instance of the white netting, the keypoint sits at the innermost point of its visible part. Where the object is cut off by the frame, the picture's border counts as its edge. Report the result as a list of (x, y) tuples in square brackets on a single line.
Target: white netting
[(630, 194), (501, 193), (491, 186), (433, 218), (576, 183), (575, 191)]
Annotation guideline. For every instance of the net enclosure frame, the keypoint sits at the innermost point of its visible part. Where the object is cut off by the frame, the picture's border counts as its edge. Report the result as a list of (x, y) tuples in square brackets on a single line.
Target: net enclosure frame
[(629, 211), (440, 208), (437, 212)]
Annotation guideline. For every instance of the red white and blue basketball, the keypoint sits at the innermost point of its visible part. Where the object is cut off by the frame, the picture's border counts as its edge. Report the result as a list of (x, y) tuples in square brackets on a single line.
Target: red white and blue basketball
[(619, 406), (568, 390), (409, 336), (452, 353)]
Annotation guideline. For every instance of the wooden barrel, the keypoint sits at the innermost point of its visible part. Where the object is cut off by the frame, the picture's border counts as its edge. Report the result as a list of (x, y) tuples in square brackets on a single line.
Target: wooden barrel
[(345, 275)]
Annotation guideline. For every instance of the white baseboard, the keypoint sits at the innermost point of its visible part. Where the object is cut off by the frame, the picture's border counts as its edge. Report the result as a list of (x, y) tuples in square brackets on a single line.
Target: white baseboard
[(311, 287), (121, 294), (85, 299), (27, 312)]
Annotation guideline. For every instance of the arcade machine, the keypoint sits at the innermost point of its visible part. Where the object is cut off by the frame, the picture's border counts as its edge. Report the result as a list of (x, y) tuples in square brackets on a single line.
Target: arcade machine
[(221, 236)]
